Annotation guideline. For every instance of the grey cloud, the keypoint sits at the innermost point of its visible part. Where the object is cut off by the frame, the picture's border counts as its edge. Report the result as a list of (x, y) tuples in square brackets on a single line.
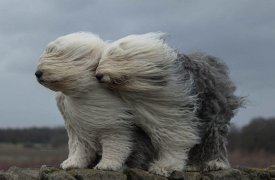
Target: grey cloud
[(240, 32)]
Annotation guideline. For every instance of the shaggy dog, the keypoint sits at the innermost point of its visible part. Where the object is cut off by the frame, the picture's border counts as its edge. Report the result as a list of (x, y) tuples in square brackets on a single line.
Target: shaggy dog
[(183, 102), (98, 123)]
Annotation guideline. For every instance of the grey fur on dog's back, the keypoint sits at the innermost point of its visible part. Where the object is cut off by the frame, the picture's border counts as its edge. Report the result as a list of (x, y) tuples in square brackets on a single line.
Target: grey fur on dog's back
[(217, 104)]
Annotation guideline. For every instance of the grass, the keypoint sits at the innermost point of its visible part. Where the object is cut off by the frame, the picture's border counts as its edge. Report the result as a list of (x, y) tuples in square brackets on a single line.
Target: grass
[(36, 155), (260, 159), (30, 155)]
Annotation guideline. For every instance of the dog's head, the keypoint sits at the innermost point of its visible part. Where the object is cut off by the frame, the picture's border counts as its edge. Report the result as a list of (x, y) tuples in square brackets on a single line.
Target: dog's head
[(68, 64), (136, 62)]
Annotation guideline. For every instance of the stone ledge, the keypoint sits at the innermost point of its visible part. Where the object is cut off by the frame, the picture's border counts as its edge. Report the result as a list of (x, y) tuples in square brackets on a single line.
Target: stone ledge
[(52, 173)]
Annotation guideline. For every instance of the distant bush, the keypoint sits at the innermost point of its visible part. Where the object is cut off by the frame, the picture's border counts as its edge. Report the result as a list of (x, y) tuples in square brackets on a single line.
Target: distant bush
[(54, 136), (258, 135)]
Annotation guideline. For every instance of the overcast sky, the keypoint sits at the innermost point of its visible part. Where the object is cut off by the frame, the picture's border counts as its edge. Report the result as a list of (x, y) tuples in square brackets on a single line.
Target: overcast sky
[(241, 32)]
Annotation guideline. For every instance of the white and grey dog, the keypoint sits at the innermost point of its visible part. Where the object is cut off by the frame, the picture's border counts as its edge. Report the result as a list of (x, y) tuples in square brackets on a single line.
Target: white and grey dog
[(98, 123), (139, 68), (183, 102)]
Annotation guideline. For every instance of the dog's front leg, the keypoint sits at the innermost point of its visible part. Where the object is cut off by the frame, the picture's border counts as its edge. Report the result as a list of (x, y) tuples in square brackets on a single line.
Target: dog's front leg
[(115, 150), (80, 154)]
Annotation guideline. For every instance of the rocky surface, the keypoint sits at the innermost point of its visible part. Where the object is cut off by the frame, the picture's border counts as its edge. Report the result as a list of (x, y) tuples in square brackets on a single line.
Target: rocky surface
[(52, 173)]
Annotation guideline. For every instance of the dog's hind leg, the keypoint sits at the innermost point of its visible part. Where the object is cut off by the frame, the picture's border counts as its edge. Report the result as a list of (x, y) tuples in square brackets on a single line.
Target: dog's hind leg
[(211, 154)]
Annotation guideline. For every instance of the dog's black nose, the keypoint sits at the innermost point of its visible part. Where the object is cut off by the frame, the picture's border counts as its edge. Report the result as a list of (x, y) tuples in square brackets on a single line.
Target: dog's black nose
[(38, 74), (99, 76)]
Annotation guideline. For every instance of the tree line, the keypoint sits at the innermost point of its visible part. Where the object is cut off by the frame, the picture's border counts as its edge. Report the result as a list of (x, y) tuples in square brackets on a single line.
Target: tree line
[(259, 134), (54, 136)]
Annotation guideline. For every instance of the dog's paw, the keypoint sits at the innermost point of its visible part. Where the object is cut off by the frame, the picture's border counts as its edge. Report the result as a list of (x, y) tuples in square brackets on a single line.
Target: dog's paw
[(162, 171), (166, 166), (165, 169), (74, 162), (108, 165), (216, 164)]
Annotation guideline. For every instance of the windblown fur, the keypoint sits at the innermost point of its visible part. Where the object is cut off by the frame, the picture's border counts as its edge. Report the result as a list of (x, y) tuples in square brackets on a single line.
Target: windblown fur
[(183, 102), (98, 123)]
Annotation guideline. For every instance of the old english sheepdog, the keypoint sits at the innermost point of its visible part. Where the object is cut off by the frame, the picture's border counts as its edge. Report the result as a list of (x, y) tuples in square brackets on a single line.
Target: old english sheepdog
[(98, 122), (184, 103)]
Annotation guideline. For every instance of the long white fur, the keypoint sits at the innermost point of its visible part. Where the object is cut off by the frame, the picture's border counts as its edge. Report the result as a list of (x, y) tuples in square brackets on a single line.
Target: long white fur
[(95, 119), (128, 66)]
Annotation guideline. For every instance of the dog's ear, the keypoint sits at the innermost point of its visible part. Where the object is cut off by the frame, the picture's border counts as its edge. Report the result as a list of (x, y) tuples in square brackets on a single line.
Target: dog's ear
[(117, 50), (132, 41)]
